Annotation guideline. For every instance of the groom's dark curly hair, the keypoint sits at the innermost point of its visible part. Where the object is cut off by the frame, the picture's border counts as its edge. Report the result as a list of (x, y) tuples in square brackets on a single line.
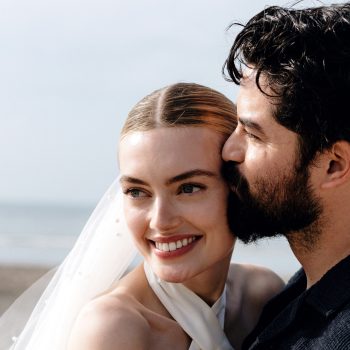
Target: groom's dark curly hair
[(305, 56)]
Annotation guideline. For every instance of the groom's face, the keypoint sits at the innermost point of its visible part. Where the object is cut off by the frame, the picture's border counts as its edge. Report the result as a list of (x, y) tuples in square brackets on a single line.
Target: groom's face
[(271, 193)]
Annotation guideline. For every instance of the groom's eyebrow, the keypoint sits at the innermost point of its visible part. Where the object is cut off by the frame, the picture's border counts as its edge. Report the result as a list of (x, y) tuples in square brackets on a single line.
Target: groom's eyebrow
[(189, 174), (250, 124)]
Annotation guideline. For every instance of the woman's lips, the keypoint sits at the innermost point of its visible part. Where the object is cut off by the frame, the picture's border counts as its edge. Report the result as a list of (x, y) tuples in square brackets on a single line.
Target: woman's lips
[(174, 246)]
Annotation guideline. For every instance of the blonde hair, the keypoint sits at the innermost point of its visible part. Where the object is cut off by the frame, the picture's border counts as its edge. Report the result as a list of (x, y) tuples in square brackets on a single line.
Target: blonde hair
[(183, 104)]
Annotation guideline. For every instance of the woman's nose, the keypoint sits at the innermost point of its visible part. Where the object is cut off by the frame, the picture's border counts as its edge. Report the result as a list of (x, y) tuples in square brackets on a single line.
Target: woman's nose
[(164, 216), (233, 149)]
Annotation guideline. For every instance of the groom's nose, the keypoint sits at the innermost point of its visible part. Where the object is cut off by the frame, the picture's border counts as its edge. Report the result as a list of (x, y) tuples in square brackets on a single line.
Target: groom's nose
[(233, 149)]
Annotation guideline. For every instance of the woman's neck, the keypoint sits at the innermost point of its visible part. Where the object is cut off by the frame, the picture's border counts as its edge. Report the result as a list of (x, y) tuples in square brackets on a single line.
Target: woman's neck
[(210, 284)]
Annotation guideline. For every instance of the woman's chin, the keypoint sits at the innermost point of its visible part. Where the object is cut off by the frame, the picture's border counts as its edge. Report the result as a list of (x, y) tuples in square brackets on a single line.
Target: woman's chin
[(170, 273)]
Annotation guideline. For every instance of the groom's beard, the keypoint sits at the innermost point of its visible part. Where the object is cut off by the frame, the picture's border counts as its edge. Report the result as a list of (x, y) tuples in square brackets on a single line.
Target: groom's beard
[(279, 205)]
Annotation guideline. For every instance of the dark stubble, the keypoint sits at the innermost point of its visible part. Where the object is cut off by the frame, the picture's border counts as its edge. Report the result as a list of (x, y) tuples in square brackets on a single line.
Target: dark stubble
[(280, 205)]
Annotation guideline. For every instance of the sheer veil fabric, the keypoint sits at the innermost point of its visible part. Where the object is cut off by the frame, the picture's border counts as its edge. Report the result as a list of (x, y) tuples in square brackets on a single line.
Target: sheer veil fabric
[(102, 253)]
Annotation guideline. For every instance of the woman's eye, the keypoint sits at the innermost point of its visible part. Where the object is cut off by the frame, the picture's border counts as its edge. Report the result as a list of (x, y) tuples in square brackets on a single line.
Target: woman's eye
[(189, 188), (135, 193)]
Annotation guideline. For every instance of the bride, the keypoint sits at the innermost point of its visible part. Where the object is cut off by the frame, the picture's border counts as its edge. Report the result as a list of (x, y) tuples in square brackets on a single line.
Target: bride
[(172, 207)]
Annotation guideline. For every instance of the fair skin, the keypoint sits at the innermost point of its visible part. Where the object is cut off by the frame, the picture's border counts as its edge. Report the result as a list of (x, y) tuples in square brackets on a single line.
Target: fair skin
[(175, 207), (186, 200), (262, 147)]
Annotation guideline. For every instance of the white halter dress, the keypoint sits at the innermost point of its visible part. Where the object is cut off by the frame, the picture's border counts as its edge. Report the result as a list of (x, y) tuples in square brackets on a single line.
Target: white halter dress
[(202, 323)]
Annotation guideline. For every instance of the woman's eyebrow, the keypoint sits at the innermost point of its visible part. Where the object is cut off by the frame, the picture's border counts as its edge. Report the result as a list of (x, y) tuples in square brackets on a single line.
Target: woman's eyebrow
[(189, 174), (184, 176), (133, 180)]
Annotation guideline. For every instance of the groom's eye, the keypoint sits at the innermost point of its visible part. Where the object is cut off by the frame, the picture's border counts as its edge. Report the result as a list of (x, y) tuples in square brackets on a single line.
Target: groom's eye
[(250, 135)]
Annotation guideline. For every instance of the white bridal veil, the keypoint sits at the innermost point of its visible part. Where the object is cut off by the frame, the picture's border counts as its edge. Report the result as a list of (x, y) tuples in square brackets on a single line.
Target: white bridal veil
[(101, 255)]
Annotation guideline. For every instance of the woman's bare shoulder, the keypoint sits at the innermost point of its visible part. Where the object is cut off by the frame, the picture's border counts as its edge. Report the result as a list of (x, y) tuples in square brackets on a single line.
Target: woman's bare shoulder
[(105, 323), (113, 320), (259, 284), (249, 288)]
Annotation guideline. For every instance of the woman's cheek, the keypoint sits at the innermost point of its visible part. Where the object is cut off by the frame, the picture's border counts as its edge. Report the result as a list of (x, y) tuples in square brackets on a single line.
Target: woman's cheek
[(135, 220)]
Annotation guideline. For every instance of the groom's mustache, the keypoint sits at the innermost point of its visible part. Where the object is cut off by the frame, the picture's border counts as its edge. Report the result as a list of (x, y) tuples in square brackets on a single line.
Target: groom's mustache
[(232, 175)]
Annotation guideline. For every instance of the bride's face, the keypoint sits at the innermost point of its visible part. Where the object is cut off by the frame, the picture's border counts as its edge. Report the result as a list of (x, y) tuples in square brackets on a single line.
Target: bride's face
[(175, 199)]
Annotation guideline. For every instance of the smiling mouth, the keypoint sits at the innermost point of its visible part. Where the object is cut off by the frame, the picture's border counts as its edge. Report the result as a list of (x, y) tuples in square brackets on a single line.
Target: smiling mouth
[(173, 246)]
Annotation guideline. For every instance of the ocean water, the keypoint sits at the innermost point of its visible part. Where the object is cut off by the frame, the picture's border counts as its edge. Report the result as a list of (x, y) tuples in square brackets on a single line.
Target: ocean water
[(39, 234), (44, 234)]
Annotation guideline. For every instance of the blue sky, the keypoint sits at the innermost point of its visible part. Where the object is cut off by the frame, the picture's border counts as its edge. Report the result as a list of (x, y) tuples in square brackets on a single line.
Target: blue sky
[(70, 71)]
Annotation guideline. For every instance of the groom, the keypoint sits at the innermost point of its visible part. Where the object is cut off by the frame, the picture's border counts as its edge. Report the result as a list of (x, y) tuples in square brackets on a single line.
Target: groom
[(288, 163)]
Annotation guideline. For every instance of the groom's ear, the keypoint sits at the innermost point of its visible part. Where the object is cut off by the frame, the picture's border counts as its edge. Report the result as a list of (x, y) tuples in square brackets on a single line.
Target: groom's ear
[(337, 165)]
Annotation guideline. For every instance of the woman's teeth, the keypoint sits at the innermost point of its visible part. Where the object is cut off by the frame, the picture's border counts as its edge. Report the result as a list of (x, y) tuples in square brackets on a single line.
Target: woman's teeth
[(171, 246)]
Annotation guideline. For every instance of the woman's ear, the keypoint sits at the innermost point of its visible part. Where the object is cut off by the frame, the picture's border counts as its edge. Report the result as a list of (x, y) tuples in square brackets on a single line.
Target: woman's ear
[(337, 164)]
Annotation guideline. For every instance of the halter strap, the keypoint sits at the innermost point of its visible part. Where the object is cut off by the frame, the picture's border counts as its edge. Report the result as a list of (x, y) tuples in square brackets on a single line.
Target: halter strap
[(194, 316)]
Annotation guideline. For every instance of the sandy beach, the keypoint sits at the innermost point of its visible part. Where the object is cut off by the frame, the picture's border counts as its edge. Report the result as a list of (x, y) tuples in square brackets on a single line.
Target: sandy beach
[(15, 279)]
